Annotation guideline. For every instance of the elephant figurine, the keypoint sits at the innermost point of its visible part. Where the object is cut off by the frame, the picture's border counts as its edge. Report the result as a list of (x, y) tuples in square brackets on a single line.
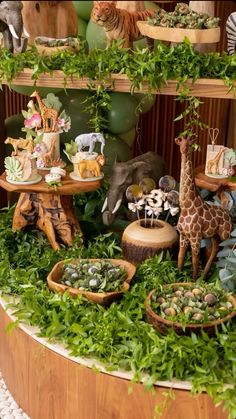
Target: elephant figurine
[(11, 26), (127, 173), (89, 140)]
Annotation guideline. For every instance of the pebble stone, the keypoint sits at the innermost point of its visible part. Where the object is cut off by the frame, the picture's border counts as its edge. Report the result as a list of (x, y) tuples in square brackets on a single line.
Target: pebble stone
[(9, 409)]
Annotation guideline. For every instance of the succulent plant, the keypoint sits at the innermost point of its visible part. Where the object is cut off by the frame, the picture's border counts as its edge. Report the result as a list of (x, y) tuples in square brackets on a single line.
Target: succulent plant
[(184, 17), (99, 276), (14, 169), (227, 262)]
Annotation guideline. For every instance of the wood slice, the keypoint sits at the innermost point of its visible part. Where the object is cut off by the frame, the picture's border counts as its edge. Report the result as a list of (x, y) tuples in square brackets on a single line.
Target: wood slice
[(196, 36)]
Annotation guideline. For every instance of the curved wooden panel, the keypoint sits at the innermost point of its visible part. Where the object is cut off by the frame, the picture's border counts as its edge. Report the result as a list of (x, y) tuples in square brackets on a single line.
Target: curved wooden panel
[(50, 386)]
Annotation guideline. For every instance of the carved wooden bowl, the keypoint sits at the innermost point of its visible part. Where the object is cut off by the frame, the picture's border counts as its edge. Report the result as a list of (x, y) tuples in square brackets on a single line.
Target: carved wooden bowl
[(162, 325), (49, 50), (196, 36), (103, 298)]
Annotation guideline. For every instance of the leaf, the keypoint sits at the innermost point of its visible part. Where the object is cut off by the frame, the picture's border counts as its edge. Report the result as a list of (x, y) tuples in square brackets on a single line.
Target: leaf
[(233, 233), (225, 274), (11, 326), (228, 242), (225, 252), (232, 260)]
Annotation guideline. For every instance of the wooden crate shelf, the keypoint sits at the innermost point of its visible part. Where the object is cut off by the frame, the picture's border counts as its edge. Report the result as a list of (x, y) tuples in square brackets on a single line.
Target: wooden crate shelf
[(211, 88)]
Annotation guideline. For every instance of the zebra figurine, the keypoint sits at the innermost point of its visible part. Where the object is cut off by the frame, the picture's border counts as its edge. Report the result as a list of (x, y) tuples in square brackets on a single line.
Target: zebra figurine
[(231, 33)]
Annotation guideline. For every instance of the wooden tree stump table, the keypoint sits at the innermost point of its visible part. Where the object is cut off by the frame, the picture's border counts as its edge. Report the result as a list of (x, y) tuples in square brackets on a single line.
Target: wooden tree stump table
[(214, 184), (50, 210)]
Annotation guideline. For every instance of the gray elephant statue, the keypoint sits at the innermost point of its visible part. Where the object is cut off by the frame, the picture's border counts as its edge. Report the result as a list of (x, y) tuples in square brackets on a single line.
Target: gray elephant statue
[(11, 26), (127, 173)]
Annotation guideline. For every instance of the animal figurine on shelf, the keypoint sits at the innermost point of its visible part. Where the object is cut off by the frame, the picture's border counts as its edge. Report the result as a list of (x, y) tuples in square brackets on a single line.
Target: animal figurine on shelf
[(21, 143), (89, 140), (198, 220), (125, 174), (119, 23), (11, 26), (231, 33), (49, 115), (91, 168)]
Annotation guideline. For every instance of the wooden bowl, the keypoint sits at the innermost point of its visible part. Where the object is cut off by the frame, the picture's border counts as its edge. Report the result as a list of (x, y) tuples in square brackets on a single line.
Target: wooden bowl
[(47, 50), (103, 298), (162, 325), (196, 36)]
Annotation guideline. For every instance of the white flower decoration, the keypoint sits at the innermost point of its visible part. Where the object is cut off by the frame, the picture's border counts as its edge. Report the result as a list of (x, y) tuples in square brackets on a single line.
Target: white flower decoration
[(153, 211), (174, 210), (135, 206)]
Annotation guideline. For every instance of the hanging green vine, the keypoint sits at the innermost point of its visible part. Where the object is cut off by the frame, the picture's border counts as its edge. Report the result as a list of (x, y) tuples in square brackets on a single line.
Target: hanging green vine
[(179, 62)]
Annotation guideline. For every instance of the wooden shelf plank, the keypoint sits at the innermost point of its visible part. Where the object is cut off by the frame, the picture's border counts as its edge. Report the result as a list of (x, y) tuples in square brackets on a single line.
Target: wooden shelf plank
[(68, 186), (211, 88)]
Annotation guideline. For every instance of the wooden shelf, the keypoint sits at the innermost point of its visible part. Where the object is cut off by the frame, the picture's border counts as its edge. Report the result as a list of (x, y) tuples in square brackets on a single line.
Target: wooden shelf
[(68, 186), (212, 184), (211, 88)]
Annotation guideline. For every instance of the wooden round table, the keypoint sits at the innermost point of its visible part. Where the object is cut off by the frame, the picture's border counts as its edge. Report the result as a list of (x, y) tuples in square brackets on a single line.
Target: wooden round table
[(214, 184), (50, 210)]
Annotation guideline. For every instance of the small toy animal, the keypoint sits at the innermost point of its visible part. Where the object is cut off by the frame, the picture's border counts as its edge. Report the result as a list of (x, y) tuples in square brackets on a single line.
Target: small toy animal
[(119, 23), (22, 143), (48, 115), (93, 167), (89, 140)]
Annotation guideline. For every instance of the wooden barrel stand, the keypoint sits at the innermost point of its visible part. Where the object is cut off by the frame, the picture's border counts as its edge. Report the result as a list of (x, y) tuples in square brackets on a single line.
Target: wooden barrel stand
[(50, 386)]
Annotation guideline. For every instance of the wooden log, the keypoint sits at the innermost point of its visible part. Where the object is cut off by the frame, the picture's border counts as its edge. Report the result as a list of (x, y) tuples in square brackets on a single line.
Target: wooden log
[(51, 213), (131, 6), (204, 7), (55, 19)]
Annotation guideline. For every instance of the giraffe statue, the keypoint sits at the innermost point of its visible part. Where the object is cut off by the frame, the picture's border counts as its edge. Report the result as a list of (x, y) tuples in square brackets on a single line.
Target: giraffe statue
[(47, 114), (198, 220), (213, 164)]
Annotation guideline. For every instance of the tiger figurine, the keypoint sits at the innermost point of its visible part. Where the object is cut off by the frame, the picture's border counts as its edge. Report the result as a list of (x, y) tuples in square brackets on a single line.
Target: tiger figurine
[(119, 23)]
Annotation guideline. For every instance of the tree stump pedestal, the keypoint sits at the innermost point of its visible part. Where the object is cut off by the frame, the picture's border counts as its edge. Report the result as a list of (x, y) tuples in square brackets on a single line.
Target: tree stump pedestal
[(49, 210)]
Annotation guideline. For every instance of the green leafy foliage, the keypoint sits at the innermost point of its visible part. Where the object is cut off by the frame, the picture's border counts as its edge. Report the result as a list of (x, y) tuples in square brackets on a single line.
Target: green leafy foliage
[(179, 62), (227, 262), (52, 101), (119, 335)]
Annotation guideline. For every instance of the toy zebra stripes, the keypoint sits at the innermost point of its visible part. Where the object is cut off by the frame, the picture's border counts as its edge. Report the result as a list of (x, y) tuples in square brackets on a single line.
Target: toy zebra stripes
[(231, 33)]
